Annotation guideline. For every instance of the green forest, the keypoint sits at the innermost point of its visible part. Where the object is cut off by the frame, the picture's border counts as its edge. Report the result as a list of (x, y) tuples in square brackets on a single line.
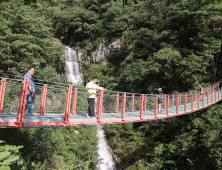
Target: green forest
[(172, 44)]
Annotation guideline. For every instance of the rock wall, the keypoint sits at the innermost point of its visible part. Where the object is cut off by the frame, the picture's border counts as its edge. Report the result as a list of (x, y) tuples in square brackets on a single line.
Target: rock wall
[(103, 50)]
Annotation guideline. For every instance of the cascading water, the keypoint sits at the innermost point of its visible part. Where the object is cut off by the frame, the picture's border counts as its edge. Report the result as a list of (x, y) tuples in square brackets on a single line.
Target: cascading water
[(73, 68), (106, 159), (74, 74)]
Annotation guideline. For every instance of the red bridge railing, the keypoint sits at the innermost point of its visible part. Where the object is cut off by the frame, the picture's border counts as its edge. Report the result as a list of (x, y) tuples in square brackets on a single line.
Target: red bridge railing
[(66, 105)]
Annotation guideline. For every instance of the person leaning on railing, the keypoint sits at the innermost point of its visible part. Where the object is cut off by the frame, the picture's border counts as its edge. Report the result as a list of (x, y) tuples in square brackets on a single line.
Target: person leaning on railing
[(91, 88)]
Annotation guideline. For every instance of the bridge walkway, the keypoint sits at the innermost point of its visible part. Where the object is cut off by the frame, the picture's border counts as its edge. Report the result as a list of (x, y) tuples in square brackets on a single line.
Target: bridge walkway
[(66, 105)]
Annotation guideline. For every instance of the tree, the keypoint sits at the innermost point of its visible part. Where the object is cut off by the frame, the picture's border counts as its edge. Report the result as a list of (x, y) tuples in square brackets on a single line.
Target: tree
[(26, 39), (8, 155), (33, 3)]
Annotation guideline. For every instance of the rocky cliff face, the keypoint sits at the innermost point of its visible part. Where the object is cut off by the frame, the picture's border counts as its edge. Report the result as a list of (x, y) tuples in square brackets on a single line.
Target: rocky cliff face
[(74, 70), (103, 50)]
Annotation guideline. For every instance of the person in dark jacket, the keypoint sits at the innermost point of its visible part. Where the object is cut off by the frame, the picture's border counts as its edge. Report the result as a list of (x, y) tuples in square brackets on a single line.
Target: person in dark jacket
[(220, 84)]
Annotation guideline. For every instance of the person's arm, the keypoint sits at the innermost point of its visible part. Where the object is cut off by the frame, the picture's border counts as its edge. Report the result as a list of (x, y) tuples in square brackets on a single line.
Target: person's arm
[(31, 91), (89, 88), (100, 88)]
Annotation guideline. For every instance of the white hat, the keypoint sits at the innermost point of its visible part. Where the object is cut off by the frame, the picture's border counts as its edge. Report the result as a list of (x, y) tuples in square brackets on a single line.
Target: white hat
[(159, 89)]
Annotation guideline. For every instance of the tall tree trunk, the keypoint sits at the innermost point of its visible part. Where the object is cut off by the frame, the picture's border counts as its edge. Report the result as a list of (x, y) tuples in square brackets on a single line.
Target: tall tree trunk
[(215, 70)]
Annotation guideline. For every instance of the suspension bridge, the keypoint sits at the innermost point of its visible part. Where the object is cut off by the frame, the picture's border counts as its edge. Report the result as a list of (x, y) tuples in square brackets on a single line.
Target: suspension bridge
[(58, 104)]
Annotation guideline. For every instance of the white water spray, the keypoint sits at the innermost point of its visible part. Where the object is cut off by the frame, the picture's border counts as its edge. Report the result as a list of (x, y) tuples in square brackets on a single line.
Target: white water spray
[(106, 159), (74, 74), (73, 68)]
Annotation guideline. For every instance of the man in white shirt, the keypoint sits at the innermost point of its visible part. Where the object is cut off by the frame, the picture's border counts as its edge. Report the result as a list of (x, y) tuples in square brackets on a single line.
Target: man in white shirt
[(91, 88)]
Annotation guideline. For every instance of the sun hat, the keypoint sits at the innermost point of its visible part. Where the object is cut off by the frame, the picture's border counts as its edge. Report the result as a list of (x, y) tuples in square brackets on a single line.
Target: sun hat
[(160, 89), (199, 85)]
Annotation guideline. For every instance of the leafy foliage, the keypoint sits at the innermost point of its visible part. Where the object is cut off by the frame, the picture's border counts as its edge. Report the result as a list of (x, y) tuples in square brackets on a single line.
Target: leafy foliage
[(51, 148), (26, 39), (170, 44), (8, 155), (186, 142)]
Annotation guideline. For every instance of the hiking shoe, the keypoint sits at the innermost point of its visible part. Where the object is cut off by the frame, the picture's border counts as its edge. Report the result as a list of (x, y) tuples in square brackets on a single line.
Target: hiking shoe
[(87, 116)]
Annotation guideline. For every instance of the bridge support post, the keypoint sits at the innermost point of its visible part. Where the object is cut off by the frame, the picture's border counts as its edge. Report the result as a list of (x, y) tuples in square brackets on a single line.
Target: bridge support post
[(195, 95), (185, 103), (208, 99), (97, 103), (191, 100), (190, 95), (67, 104), (132, 103), (99, 116), (179, 99), (2, 93), (203, 96), (145, 102), (117, 103), (155, 106), (198, 101), (164, 101), (218, 94), (177, 105), (141, 106), (215, 96), (44, 91), (23, 96), (167, 106), (123, 107), (203, 90), (74, 101), (172, 100)]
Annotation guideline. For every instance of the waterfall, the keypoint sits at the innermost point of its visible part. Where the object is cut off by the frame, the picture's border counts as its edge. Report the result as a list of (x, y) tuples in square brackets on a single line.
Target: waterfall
[(72, 65), (106, 159)]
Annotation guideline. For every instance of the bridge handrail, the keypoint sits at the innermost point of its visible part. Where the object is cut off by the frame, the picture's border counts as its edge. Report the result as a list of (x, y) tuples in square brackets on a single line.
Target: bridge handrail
[(71, 100)]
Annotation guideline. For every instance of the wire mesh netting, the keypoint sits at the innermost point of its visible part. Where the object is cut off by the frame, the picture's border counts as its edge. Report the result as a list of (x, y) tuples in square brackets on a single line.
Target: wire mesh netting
[(82, 103), (109, 103), (112, 102), (12, 96), (149, 102), (128, 107), (38, 93), (136, 103), (55, 100)]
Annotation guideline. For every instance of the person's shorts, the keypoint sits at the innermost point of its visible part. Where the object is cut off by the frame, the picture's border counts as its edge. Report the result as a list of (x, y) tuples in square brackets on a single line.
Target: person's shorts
[(201, 94), (160, 101)]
